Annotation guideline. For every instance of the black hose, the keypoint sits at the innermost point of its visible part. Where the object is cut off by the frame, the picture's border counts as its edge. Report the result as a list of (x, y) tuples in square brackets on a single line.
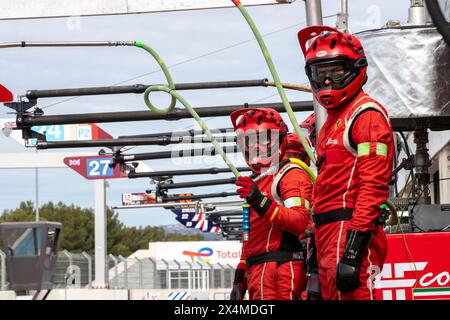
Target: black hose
[(407, 151), (439, 20)]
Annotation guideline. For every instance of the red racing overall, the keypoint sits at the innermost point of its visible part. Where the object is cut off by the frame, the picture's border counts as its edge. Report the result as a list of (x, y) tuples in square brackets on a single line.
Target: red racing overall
[(355, 153), (277, 231)]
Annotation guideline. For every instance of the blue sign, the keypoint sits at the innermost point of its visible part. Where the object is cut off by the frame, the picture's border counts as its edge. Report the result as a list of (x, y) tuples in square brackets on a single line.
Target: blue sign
[(99, 167), (52, 133)]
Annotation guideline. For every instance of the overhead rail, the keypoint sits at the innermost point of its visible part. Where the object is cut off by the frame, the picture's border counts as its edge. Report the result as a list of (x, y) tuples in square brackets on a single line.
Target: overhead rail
[(154, 141), (120, 158), (194, 184), (187, 133), (27, 120), (171, 173), (140, 88)]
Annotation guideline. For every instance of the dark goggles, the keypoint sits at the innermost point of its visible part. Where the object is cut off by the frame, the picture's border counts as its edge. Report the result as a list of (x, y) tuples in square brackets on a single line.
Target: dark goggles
[(338, 71), (261, 143)]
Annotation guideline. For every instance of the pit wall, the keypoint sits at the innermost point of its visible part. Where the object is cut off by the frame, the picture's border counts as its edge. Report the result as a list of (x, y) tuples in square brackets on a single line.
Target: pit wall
[(121, 294)]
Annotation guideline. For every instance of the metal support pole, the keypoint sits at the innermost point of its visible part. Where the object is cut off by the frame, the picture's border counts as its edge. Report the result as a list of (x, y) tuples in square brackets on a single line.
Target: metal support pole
[(190, 274), (203, 286), (101, 279), (229, 223), (231, 277), (225, 203), (417, 13), (187, 133), (211, 276), (69, 256), (2, 270), (201, 196), (168, 284), (422, 164), (89, 259), (140, 88), (28, 120), (37, 192), (225, 213), (141, 273), (313, 18), (125, 271), (160, 141), (116, 273), (154, 273), (171, 173), (179, 274), (342, 17), (204, 152), (194, 184), (222, 275)]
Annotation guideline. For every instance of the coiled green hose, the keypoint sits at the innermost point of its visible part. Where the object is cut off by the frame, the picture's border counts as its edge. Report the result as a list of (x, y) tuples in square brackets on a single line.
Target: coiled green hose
[(170, 89)]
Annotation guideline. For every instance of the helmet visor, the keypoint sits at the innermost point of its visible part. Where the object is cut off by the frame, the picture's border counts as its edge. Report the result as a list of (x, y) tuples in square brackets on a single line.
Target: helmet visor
[(259, 145), (332, 74)]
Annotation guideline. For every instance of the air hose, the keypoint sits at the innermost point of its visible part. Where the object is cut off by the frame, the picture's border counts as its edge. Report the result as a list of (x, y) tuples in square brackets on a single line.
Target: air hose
[(276, 79), (305, 167)]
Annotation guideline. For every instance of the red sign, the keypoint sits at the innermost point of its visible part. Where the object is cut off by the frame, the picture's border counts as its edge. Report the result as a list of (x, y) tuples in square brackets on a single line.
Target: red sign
[(5, 95), (97, 132), (95, 167), (417, 267)]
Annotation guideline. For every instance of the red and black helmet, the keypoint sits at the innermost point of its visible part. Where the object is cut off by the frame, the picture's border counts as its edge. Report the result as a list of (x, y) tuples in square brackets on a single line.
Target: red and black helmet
[(294, 148), (261, 134), (335, 64)]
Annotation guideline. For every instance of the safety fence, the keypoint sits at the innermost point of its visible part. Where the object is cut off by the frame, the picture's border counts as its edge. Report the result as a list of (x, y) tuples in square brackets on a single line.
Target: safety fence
[(76, 270)]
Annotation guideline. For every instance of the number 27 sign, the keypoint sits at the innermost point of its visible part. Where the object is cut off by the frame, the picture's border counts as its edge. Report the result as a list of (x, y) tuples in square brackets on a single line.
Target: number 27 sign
[(94, 167)]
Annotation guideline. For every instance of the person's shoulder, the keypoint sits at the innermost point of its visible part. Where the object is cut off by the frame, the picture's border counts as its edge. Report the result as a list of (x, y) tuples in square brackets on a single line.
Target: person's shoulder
[(296, 173)]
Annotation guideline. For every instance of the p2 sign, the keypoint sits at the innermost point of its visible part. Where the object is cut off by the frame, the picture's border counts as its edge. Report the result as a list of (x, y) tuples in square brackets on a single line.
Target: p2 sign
[(78, 132), (94, 167)]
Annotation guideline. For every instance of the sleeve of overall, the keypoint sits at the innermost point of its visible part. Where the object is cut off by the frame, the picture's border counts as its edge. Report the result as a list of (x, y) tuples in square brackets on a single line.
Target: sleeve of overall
[(374, 140), (242, 263), (241, 269), (295, 190)]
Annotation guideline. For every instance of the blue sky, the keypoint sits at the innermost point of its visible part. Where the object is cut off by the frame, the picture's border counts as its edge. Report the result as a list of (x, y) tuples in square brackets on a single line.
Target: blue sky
[(206, 45)]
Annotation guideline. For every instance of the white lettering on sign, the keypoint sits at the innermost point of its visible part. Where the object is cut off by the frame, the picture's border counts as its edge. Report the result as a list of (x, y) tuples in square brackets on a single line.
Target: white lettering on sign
[(99, 168), (396, 281), (84, 132), (228, 254), (74, 162), (441, 279)]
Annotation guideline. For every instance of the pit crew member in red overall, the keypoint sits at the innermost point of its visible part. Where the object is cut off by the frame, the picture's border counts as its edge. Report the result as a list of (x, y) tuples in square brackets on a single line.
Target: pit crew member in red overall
[(272, 261), (355, 152)]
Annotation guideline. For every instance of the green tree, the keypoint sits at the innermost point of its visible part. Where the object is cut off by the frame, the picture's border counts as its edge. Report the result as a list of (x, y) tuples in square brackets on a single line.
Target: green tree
[(78, 228)]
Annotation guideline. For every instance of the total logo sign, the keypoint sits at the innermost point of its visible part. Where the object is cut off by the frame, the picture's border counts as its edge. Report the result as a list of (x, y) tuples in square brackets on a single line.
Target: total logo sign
[(209, 255), (427, 278), (202, 255)]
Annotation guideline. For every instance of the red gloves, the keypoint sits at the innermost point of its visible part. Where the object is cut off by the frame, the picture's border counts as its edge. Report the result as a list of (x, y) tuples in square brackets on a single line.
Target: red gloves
[(247, 185), (249, 189), (260, 203)]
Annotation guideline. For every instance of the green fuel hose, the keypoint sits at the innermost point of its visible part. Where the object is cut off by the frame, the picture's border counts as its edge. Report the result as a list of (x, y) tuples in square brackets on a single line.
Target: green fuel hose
[(276, 79), (170, 89)]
